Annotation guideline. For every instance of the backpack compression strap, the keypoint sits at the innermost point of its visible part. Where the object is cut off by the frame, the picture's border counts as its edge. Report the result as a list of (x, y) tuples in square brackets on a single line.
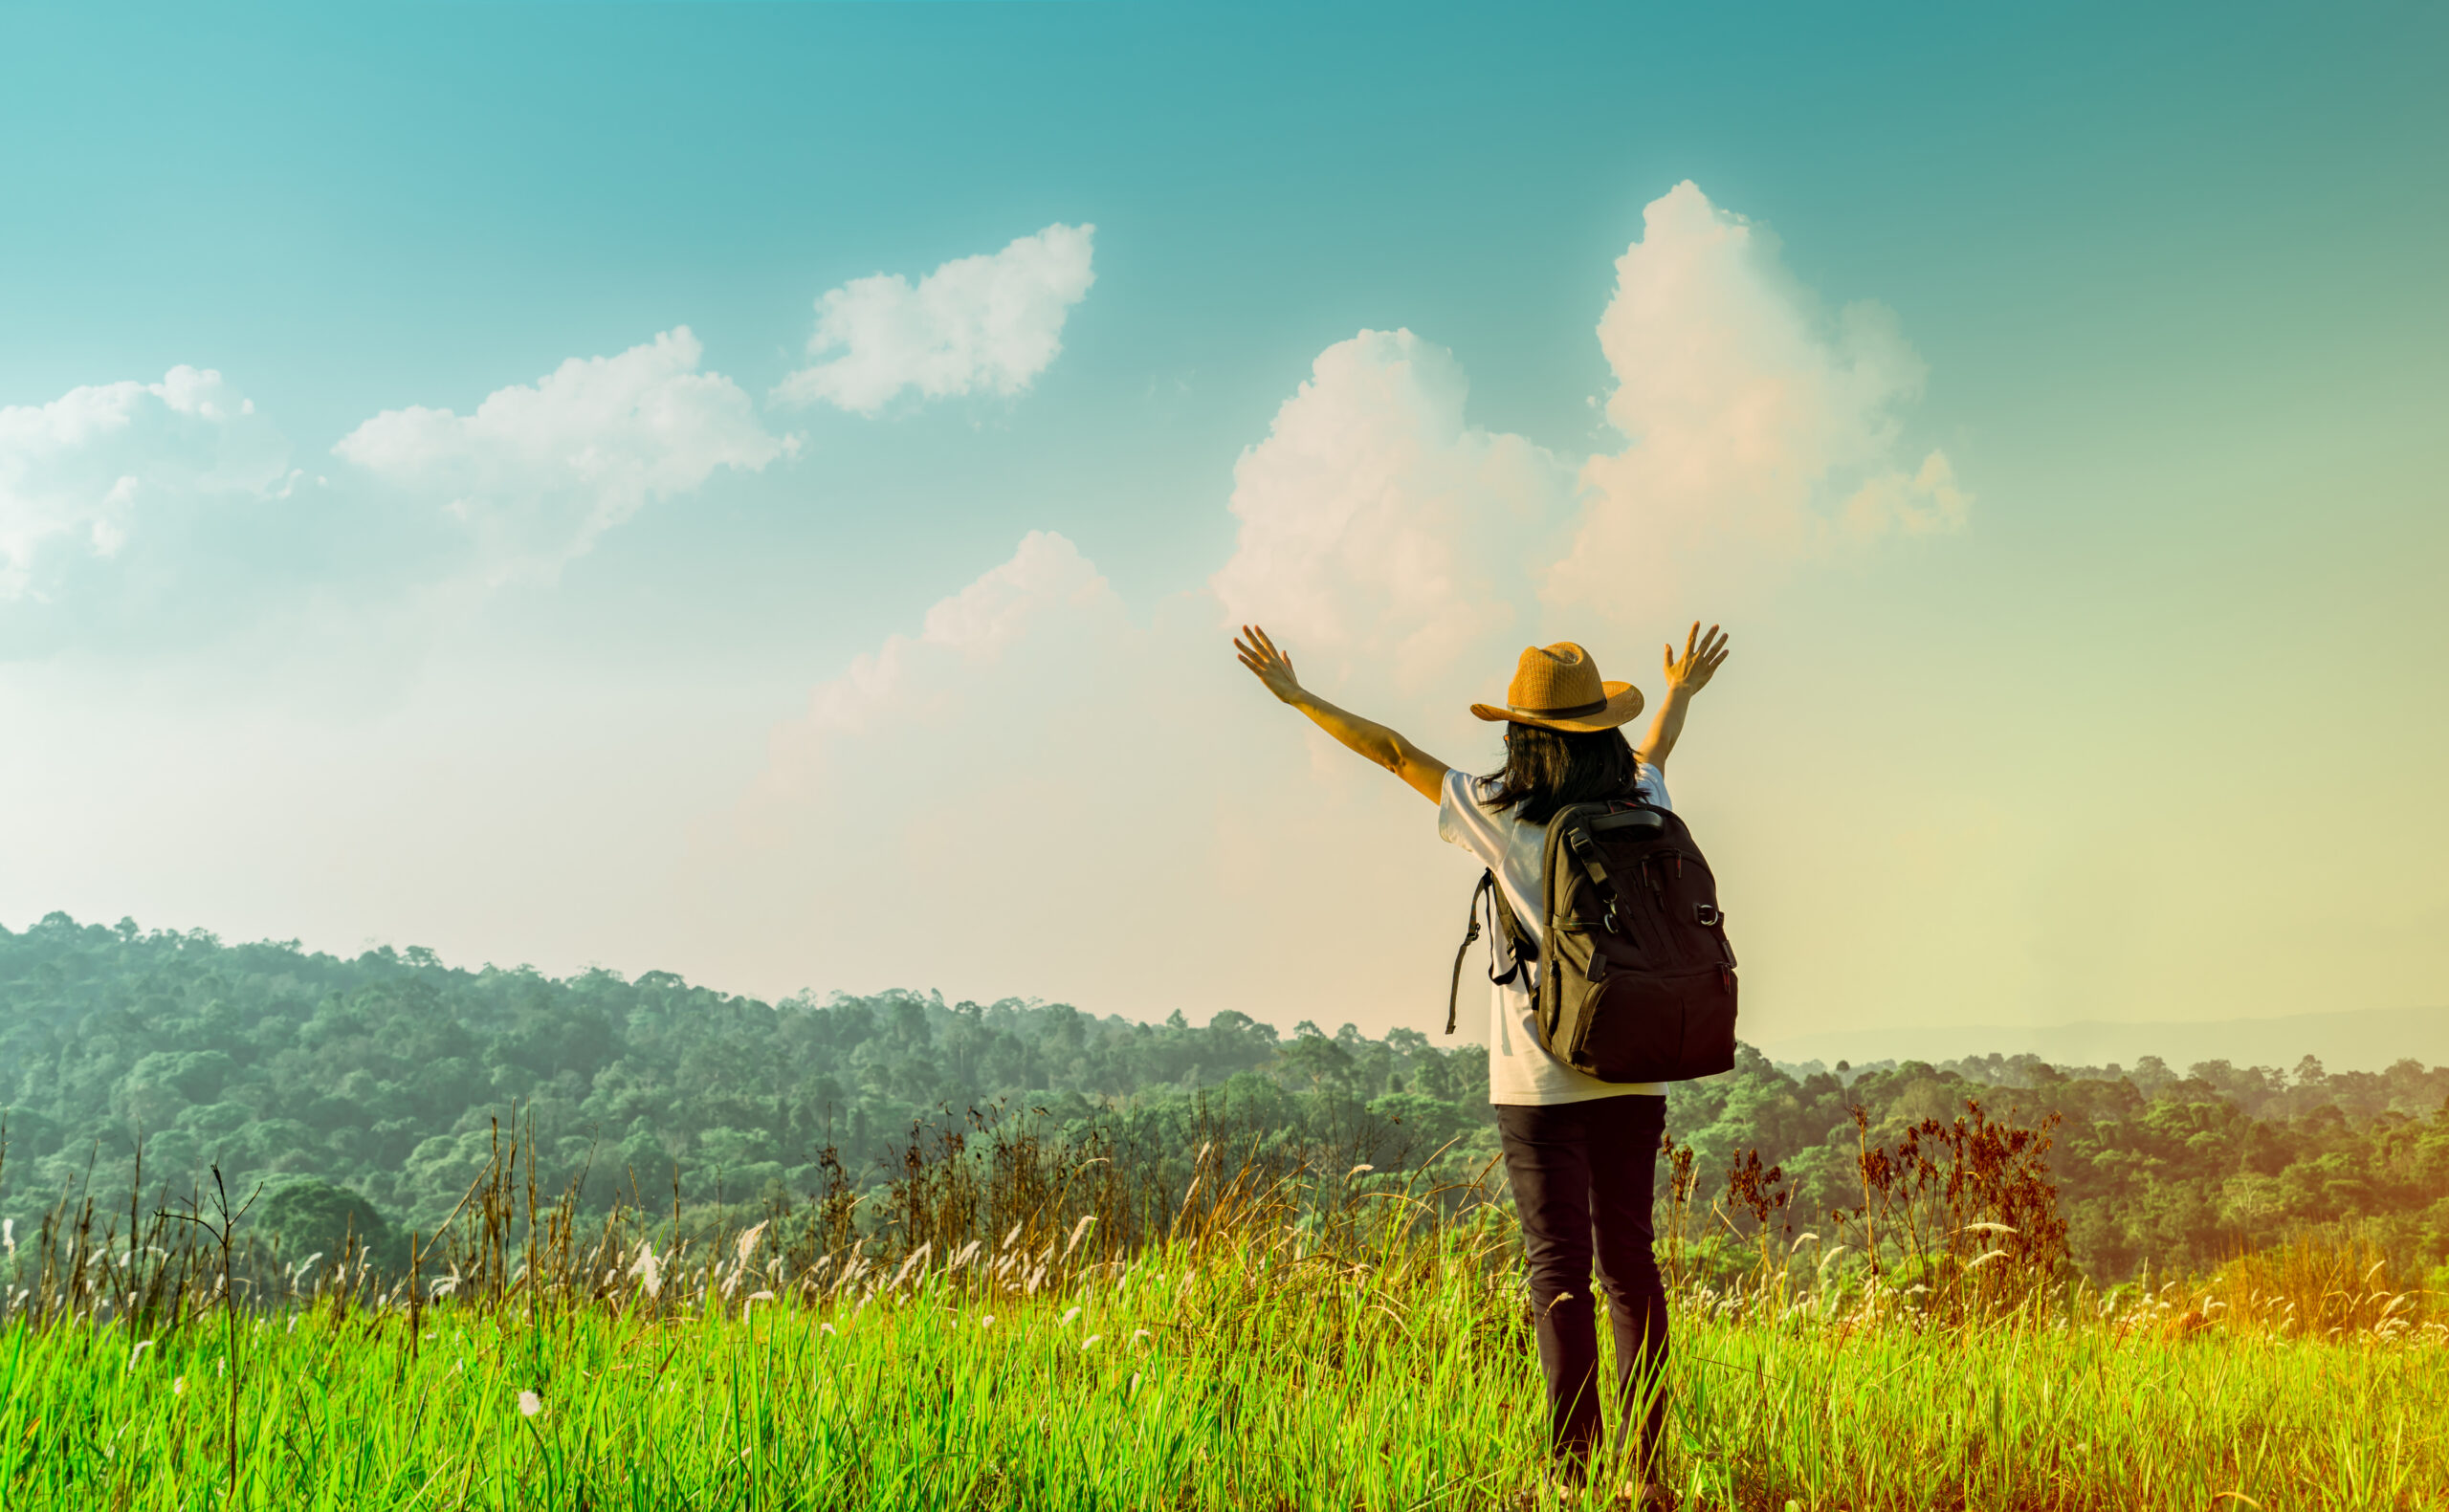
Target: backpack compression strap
[(1520, 951), (1585, 850)]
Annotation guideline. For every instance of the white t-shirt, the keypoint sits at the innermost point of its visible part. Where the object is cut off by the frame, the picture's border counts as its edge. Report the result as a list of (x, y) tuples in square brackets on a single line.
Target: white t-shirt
[(1519, 1069)]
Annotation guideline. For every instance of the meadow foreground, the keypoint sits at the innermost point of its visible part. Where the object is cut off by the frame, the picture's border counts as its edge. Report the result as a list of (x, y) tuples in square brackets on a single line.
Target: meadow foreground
[(1380, 1364)]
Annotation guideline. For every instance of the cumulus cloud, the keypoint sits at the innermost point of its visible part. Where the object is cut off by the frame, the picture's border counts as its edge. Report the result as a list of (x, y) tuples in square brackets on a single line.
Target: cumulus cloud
[(82, 475), (1381, 529), (1377, 525), (537, 472), (939, 678), (1750, 415), (988, 323), (949, 804)]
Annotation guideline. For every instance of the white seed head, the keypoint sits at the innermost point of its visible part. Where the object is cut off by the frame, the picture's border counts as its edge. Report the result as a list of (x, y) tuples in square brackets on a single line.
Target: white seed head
[(1078, 1230), (530, 1404)]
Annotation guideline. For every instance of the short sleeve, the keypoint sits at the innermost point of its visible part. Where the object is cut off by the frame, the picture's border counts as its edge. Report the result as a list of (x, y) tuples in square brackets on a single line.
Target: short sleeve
[(1650, 783), (1462, 822)]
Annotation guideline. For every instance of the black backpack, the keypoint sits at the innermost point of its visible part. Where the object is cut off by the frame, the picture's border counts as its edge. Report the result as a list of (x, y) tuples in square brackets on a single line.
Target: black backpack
[(1639, 983)]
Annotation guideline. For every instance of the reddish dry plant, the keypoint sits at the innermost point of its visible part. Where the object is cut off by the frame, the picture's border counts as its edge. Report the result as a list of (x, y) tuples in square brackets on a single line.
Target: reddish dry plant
[(1761, 1196), (1965, 1209), (1760, 1193), (1682, 1179)]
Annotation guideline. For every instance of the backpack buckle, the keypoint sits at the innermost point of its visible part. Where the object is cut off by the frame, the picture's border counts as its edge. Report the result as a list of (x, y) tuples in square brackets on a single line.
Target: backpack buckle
[(1613, 925), (1709, 914)]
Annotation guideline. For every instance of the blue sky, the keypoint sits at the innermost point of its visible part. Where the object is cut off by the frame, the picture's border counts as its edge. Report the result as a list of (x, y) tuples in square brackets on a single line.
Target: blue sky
[(2173, 284)]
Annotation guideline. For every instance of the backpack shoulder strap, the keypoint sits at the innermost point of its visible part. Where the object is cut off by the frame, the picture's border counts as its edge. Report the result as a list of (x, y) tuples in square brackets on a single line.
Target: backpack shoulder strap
[(1454, 990), (1520, 949)]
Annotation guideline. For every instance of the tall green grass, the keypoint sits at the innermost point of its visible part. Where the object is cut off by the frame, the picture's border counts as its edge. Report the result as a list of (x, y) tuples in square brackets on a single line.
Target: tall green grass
[(1196, 1380), (1285, 1338)]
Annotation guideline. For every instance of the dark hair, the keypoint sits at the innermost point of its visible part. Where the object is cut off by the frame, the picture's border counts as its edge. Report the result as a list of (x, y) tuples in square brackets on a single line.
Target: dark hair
[(1547, 769)]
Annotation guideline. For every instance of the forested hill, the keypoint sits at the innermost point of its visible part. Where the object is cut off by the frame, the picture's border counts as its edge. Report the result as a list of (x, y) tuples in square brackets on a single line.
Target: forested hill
[(382, 1074)]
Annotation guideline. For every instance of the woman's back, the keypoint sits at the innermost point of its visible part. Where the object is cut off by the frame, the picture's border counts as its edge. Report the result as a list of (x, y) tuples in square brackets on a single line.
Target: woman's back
[(1510, 839)]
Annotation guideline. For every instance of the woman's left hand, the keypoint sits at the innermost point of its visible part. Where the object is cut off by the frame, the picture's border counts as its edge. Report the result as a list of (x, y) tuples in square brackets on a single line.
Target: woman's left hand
[(1691, 671), (1266, 663)]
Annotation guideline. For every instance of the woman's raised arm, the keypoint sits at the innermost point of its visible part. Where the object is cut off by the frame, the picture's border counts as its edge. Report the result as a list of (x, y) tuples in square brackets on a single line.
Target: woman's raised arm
[(1685, 675), (1425, 774)]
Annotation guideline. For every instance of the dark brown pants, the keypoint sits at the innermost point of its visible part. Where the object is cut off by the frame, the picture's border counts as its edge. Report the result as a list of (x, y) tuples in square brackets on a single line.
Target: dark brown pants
[(1583, 1175)]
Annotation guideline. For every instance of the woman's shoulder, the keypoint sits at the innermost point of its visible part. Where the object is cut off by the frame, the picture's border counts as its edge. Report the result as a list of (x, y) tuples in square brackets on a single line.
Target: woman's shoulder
[(1649, 785), (1465, 810), (1462, 787)]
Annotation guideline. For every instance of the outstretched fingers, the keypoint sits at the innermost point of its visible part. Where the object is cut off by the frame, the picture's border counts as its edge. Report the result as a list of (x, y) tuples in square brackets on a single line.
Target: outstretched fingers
[(1253, 643), (1253, 649), (1703, 651)]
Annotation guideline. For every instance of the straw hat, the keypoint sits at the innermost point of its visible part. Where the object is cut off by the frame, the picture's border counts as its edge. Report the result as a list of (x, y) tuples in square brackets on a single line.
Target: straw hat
[(1557, 688)]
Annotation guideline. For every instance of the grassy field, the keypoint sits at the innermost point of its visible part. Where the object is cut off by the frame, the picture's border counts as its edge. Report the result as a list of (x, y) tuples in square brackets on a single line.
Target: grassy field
[(1290, 1343), (1210, 1380)]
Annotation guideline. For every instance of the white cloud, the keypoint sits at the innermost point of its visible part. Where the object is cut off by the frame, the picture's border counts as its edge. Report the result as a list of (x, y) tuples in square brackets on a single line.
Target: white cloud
[(982, 323), (1751, 417), (82, 473), (1926, 502), (1380, 530), (952, 801), (536, 473), (937, 677), (1377, 526)]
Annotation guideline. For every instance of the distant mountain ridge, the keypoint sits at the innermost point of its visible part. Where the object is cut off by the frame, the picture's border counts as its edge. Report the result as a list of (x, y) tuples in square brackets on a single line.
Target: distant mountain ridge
[(2357, 1039)]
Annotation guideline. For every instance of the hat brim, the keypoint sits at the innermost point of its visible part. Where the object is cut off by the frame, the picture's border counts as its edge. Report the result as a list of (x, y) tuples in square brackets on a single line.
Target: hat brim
[(1623, 705)]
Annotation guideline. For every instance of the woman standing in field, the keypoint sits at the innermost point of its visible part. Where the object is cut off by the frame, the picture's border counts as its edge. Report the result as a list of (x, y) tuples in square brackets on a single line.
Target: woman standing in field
[(1581, 1153)]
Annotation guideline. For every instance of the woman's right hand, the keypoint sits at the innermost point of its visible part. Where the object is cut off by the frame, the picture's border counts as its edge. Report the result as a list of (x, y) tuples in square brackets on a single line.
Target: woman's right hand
[(1267, 664), (1422, 773)]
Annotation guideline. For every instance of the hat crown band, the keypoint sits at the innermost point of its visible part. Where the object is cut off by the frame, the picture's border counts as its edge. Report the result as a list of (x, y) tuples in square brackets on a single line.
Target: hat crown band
[(1568, 712)]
